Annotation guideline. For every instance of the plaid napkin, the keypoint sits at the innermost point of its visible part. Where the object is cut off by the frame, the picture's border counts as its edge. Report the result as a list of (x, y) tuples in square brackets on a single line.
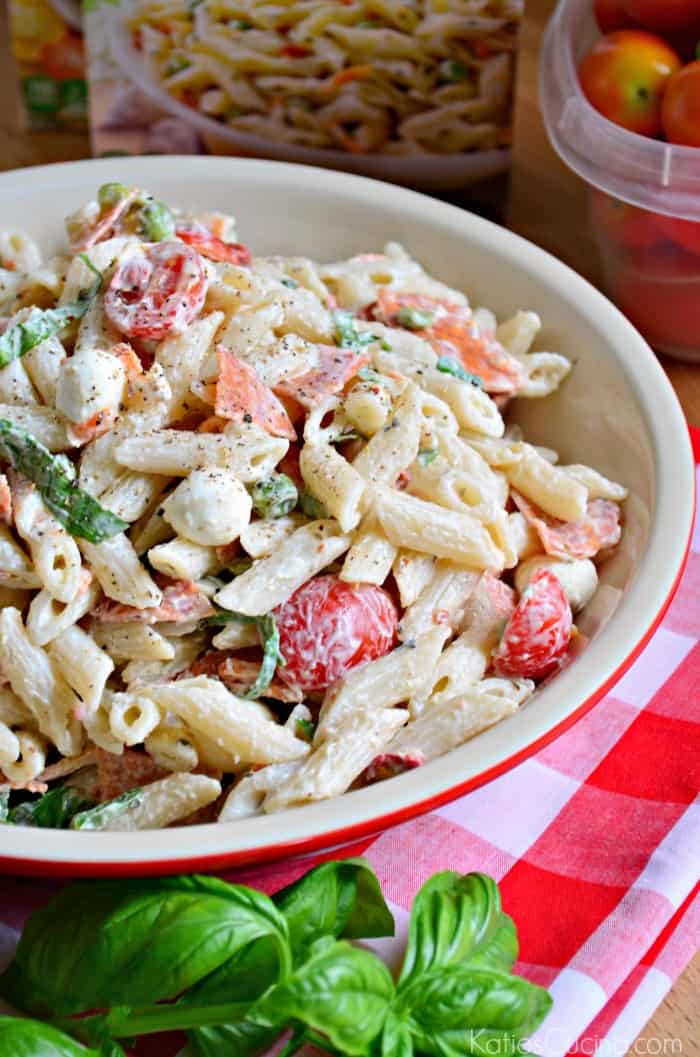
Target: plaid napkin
[(595, 842)]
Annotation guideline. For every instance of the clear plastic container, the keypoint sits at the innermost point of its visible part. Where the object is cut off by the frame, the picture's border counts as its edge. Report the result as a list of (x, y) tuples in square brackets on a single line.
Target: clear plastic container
[(644, 195)]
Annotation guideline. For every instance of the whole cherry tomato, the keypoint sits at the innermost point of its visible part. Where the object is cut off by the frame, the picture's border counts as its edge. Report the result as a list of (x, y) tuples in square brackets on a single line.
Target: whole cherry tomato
[(611, 15), (328, 627), (624, 77), (625, 224), (64, 59), (685, 233), (680, 110), (539, 631), (158, 292), (659, 290), (664, 16)]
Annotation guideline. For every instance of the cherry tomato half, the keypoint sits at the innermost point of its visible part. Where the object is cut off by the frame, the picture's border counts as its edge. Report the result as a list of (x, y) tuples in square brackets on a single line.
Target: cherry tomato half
[(328, 627), (611, 15), (624, 77), (64, 60), (209, 245), (158, 292), (680, 111), (625, 224), (538, 633), (664, 16)]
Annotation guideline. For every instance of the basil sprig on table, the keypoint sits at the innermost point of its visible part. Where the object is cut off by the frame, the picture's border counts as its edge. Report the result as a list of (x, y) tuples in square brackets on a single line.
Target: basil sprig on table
[(75, 509), (235, 969), (43, 323), (270, 640)]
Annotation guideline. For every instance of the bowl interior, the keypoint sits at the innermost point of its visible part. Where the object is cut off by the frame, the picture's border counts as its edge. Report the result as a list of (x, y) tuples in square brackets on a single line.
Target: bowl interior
[(616, 411)]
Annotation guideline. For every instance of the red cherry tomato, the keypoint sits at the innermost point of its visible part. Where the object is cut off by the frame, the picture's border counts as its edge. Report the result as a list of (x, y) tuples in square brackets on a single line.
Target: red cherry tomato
[(539, 631), (659, 290), (685, 233), (209, 245), (64, 59), (611, 15), (328, 627), (158, 292), (624, 77), (664, 16), (680, 111), (625, 224)]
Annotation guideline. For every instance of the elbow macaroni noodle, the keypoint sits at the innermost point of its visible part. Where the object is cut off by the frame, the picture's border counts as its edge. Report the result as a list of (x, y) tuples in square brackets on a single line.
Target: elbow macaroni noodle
[(145, 643)]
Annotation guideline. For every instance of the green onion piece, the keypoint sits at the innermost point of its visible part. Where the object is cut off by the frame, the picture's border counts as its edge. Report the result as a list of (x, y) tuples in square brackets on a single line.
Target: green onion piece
[(414, 318), (451, 72), (78, 512), (347, 334), (102, 815), (311, 506), (43, 323), (427, 455), (305, 729), (292, 284), (275, 496), (157, 222), (448, 365), (109, 194)]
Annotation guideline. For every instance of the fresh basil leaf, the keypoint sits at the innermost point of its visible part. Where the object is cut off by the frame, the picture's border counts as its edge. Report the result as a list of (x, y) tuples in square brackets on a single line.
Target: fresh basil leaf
[(339, 899), (43, 323), (53, 810), (76, 510), (449, 365), (456, 919), (414, 318), (397, 1040), (110, 1048), (346, 333), (460, 1010), (31, 1038), (246, 1039), (135, 942), (427, 455), (343, 992), (101, 815)]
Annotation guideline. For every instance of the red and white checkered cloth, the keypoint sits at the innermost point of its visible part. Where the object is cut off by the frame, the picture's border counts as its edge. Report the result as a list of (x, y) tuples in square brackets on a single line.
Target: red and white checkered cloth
[(595, 842)]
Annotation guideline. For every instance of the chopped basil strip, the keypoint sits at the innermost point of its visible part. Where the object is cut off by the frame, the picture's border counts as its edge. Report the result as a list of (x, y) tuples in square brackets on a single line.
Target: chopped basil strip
[(451, 72), (311, 506), (414, 318), (53, 810), (99, 817), (346, 333), (78, 512), (269, 639), (427, 455), (43, 323), (275, 496), (448, 365)]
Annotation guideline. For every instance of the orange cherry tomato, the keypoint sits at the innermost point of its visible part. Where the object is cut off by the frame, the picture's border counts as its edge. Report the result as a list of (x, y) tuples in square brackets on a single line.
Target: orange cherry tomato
[(664, 16), (680, 111), (611, 15), (625, 224), (624, 76), (64, 59), (659, 290), (684, 233)]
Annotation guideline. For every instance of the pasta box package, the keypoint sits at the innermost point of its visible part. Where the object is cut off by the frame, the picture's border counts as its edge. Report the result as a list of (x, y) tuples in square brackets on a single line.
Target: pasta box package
[(416, 92), (47, 45)]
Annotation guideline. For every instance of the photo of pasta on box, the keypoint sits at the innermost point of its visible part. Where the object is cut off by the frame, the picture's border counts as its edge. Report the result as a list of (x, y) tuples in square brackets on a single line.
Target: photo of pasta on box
[(265, 535)]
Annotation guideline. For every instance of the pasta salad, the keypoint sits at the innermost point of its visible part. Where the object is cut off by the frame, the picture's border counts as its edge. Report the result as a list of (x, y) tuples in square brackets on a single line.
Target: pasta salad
[(363, 76), (264, 534)]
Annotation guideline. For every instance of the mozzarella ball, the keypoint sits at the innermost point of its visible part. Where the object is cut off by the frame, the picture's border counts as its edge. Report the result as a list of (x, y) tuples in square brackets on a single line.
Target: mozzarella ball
[(211, 507), (90, 383), (578, 578)]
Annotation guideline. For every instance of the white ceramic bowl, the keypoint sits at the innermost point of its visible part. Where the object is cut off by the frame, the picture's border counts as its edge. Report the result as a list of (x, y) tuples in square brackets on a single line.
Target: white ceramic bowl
[(616, 411), (429, 172)]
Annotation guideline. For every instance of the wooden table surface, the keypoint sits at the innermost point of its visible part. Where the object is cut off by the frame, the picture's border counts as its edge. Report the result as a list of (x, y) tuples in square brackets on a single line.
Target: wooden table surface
[(547, 206)]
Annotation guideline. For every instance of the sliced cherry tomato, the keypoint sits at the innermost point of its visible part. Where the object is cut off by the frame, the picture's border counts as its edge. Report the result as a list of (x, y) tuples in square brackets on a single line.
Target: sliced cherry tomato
[(328, 627), (157, 293), (611, 15), (625, 224), (680, 111), (664, 16), (452, 332), (242, 396), (209, 245), (624, 77), (685, 233), (539, 631)]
